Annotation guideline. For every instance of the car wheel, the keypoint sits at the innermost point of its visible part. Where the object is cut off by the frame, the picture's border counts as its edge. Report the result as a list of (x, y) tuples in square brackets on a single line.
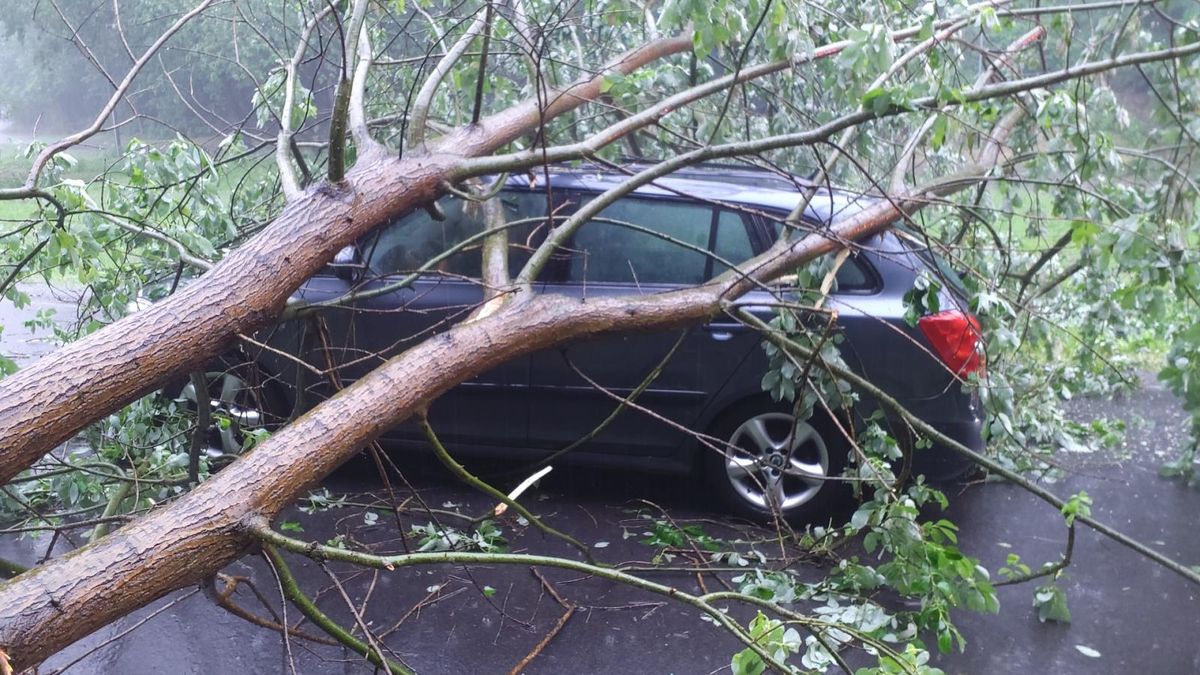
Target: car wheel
[(238, 409), (773, 463)]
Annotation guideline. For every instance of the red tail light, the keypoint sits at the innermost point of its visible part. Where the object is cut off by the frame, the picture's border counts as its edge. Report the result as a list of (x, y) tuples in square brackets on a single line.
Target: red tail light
[(956, 340)]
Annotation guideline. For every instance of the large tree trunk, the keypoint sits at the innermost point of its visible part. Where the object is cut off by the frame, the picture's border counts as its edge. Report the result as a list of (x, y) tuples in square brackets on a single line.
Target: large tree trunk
[(44, 404), (55, 604)]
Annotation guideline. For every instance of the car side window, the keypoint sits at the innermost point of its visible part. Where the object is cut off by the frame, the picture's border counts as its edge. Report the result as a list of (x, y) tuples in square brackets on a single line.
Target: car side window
[(414, 239), (851, 276), (606, 250), (732, 242)]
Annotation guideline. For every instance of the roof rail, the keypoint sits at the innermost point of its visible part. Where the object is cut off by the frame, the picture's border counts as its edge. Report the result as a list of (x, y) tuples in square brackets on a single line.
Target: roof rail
[(754, 173)]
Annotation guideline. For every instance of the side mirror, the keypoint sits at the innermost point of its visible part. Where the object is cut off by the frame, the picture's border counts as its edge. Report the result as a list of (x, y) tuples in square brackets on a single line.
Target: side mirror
[(348, 264)]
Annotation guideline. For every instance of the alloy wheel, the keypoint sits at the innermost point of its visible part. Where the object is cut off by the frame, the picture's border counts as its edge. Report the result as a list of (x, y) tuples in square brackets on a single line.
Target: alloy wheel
[(234, 412), (775, 461)]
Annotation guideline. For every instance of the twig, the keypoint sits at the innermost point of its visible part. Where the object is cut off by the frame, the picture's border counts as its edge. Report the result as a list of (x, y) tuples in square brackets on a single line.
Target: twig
[(224, 600), (291, 591), (551, 589), (375, 648), (31, 181), (110, 510), (260, 528), (432, 598), (1047, 570), (200, 432), (339, 119), (424, 98), (470, 479), (284, 142), (359, 129), (481, 77), (537, 649)]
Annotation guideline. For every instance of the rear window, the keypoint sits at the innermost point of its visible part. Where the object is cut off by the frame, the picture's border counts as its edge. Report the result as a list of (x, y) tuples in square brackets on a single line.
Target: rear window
[(937, 263), (854, 276)]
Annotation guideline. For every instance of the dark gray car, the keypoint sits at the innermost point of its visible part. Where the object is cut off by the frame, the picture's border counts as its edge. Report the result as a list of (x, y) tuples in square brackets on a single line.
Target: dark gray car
[(535, 405)]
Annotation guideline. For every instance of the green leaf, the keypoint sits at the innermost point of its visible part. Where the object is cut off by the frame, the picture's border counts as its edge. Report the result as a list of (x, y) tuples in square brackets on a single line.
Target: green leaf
[(746, 662), (1078, 505), (1084, 232), (937, 135), (1051, 604), (877, 100)]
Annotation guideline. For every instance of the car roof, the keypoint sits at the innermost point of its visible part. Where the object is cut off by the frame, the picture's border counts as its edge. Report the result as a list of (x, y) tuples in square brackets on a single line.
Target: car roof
[(733, 185)]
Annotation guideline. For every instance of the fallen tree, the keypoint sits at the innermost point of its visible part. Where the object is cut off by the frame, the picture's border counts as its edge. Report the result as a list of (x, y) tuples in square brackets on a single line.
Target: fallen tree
[(191, 539)]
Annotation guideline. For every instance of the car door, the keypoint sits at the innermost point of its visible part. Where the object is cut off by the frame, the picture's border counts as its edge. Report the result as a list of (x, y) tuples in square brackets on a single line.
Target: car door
[(388, 318), (639, 246)]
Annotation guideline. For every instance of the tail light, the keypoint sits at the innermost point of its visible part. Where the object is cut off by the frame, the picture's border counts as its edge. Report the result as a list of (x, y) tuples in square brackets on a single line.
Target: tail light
[(956, 340)]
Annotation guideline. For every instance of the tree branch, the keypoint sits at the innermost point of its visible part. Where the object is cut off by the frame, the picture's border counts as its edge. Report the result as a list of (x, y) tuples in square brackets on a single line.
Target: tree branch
[(294, 594), (359, 130), (30, 186), (467, 477), (283, 142), (339, 118), (424, 100)]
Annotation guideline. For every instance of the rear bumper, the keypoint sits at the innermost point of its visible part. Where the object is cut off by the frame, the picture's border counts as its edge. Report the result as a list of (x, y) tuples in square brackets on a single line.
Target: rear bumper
[(941, 463), (955, 415)]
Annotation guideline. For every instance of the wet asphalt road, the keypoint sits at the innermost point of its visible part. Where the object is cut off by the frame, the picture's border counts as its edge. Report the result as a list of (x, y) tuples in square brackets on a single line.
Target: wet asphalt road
[(1134, 615)]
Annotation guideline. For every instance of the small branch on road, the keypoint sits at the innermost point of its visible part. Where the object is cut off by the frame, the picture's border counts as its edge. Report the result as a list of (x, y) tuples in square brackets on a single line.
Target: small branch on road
[(223, 599), (1046, 570), (291, 591), (537, 649), (470, 479), (261, 529)]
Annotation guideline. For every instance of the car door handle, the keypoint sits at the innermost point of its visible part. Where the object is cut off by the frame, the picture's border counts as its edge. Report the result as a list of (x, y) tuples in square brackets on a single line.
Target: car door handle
[(722, 331)]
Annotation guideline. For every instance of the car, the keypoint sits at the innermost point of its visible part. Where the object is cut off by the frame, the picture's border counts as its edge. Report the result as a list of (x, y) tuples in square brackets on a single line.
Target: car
[(533, 406)]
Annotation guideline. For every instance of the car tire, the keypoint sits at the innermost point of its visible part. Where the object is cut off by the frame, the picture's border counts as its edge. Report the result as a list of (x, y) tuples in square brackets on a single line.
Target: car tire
[(760, 437)]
